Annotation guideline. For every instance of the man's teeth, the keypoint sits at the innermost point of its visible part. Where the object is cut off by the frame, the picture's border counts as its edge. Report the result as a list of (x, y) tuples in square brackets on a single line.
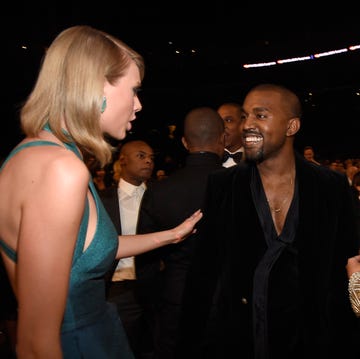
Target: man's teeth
[(253, 139)]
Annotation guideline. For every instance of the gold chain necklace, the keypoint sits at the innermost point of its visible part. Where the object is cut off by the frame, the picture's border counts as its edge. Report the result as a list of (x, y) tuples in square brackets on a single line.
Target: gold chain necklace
[(278, 210)]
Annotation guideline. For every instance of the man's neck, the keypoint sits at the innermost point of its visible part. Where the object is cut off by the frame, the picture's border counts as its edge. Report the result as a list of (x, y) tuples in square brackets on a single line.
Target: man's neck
[(132, 181), (276, 167)]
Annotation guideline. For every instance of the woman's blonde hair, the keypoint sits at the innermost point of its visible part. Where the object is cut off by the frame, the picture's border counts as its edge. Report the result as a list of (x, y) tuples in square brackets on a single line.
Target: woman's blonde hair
[(70, 87)]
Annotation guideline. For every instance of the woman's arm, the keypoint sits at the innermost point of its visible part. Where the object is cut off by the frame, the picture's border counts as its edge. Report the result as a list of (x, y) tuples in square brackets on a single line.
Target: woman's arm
[(131, 245), (51, 214)]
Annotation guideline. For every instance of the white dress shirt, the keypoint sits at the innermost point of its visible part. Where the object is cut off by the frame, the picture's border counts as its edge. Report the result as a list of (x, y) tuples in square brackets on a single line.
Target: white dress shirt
[(129, 197)]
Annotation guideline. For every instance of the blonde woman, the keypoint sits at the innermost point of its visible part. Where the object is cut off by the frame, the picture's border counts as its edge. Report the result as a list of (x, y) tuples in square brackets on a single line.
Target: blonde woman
[(56, 239)]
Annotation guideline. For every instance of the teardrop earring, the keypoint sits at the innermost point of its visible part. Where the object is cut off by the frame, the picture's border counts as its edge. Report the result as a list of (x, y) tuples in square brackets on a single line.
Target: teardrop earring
[(103, 105)]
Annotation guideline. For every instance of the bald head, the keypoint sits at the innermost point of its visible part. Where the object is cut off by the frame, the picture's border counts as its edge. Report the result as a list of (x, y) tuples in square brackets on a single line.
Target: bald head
[(136, 160), (134, 145), (204, 130), (290, 101)]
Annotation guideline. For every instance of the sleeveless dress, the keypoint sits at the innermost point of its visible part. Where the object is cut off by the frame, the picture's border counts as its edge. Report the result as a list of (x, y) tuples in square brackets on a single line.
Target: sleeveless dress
[(91, 327)]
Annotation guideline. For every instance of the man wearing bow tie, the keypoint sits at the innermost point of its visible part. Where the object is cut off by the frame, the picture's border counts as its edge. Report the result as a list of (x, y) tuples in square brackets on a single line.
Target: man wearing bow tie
[(230, 112)]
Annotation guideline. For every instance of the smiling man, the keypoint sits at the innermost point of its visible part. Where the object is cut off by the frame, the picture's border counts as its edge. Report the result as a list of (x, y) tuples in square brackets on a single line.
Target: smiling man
[(268, 278)]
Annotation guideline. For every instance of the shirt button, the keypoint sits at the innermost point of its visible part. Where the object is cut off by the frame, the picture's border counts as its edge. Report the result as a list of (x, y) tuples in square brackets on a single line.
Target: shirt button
[(244, 301)]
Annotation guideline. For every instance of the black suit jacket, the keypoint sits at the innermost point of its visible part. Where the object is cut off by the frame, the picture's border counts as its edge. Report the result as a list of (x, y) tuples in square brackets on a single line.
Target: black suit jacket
[(218, 317), (166, 204), (109, 197)]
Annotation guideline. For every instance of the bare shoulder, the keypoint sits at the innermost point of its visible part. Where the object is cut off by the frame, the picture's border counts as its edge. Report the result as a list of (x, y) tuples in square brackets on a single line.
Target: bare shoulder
[(38, 170), (67, 168), (45, 184)]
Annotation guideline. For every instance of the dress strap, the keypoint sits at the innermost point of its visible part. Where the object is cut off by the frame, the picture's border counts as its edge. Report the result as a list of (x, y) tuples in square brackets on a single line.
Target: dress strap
[(25, 145), (70, 145), (8, 251)]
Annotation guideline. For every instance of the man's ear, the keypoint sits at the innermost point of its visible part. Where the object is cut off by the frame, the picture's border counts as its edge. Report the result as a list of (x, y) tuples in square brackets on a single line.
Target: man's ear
[(122, 160), (293, 126), (184, 143)]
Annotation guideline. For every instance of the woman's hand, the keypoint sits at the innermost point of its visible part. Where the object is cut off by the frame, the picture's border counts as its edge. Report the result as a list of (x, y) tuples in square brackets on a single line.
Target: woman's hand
[(186, 228), (353, 265), (132, 245)]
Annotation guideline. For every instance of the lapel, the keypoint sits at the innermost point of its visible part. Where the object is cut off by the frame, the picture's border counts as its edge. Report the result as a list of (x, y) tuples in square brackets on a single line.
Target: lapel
[(314, 229), (111, 203), (249, 239), (310, 211)]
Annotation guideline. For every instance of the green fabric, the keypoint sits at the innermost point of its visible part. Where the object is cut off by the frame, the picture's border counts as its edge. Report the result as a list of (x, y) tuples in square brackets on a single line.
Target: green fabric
[(86, 298)]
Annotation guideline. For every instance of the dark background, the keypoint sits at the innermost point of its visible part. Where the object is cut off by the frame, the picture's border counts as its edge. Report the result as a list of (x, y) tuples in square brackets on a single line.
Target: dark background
[(224, 38)]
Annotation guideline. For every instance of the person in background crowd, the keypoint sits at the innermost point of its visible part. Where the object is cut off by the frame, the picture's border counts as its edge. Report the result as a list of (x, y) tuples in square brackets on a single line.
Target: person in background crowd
[(136, 159), (350, 173), (116, 169), (160, 175), (56, 238), (99, 179), (268, 278), (230, 112), (309, 155), (166, 201)]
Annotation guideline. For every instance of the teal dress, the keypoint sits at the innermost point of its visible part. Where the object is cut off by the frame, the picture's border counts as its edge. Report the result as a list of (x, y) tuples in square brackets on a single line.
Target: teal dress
[(91, 328)]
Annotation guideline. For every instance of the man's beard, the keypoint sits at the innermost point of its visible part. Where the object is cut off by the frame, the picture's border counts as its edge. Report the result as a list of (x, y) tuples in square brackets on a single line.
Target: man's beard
[(256, 157)]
